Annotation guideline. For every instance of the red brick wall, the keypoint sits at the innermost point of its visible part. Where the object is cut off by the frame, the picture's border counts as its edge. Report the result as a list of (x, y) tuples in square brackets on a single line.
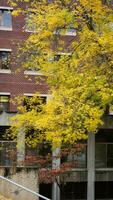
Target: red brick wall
[(17, 83)]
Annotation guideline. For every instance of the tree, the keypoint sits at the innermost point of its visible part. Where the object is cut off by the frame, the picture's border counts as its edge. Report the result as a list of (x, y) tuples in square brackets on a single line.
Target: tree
[(81, 81), (78, 72)]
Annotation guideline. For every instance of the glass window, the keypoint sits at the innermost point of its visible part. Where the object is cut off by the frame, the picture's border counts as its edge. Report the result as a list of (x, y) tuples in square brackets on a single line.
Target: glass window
[(30, 25), (57, 57), (71, 32), (7, 153), (31, 102), (80, 157), (5, 19), (104, 155), (104, 136), (110, 155), (77, 157), (104, 189), (104, 149), (4, 103), (49, 1), (40, 155), (4, 60), (74, 190), (100, 155)]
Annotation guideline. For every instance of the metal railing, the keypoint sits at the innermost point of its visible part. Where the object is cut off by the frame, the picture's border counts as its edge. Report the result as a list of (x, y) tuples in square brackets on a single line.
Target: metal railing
[(24, 188)]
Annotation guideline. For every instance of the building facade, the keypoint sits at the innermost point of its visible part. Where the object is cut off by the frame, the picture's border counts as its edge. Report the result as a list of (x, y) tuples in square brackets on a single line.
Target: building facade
[(93, 176), (14, 81)]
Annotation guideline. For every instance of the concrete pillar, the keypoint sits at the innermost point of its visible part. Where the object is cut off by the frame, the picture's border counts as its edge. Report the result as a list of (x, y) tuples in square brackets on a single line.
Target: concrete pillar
[(91, 167), (21, 147), (56, 165)]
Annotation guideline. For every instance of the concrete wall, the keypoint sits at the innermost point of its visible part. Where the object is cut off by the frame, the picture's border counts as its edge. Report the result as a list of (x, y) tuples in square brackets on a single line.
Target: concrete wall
[(25, 177)]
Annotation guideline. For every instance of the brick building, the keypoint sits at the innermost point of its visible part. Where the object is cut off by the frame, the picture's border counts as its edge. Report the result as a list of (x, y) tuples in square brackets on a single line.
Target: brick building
[(14, 81), (94, 171), (12, 33)]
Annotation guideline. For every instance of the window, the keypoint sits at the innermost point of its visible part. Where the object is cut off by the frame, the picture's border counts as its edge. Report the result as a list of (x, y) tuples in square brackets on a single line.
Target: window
[(38, 153), (7, 153), (5, 19), (71, 32), (49, 1), (58, 56), (30, 102), (77, 156), (5, 60), (4, 102), (104, 155), (68, 32), (32, 68), (30, 25), (104, 149)]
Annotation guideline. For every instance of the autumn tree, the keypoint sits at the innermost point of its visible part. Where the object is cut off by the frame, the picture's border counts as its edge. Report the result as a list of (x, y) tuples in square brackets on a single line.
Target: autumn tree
[(78, 72), (78, 69)]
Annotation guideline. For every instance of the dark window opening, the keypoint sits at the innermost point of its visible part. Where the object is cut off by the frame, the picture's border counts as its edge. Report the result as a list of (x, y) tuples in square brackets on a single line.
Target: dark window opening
[(4, 60), (4, 103), (57, 57), (3, 130), (104, 190), (45, 190), (72, 191), (7, 148), (104, 135)]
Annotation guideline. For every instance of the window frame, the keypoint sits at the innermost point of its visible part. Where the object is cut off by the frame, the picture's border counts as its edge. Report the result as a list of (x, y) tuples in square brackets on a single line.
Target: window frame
[(5, 94), (9, 9), (28, 27), (66, 32), (3, 70)]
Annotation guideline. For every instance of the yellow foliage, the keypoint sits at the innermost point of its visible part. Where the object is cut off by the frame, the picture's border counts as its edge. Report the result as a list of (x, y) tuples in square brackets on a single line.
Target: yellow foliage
[(81, 83)]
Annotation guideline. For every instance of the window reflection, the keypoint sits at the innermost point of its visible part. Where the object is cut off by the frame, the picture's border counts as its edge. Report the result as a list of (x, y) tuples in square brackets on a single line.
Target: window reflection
[(30, 22), (5, 18), (104, 149), (4, 60), (77, 156), (104, 155), (100, 155)]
